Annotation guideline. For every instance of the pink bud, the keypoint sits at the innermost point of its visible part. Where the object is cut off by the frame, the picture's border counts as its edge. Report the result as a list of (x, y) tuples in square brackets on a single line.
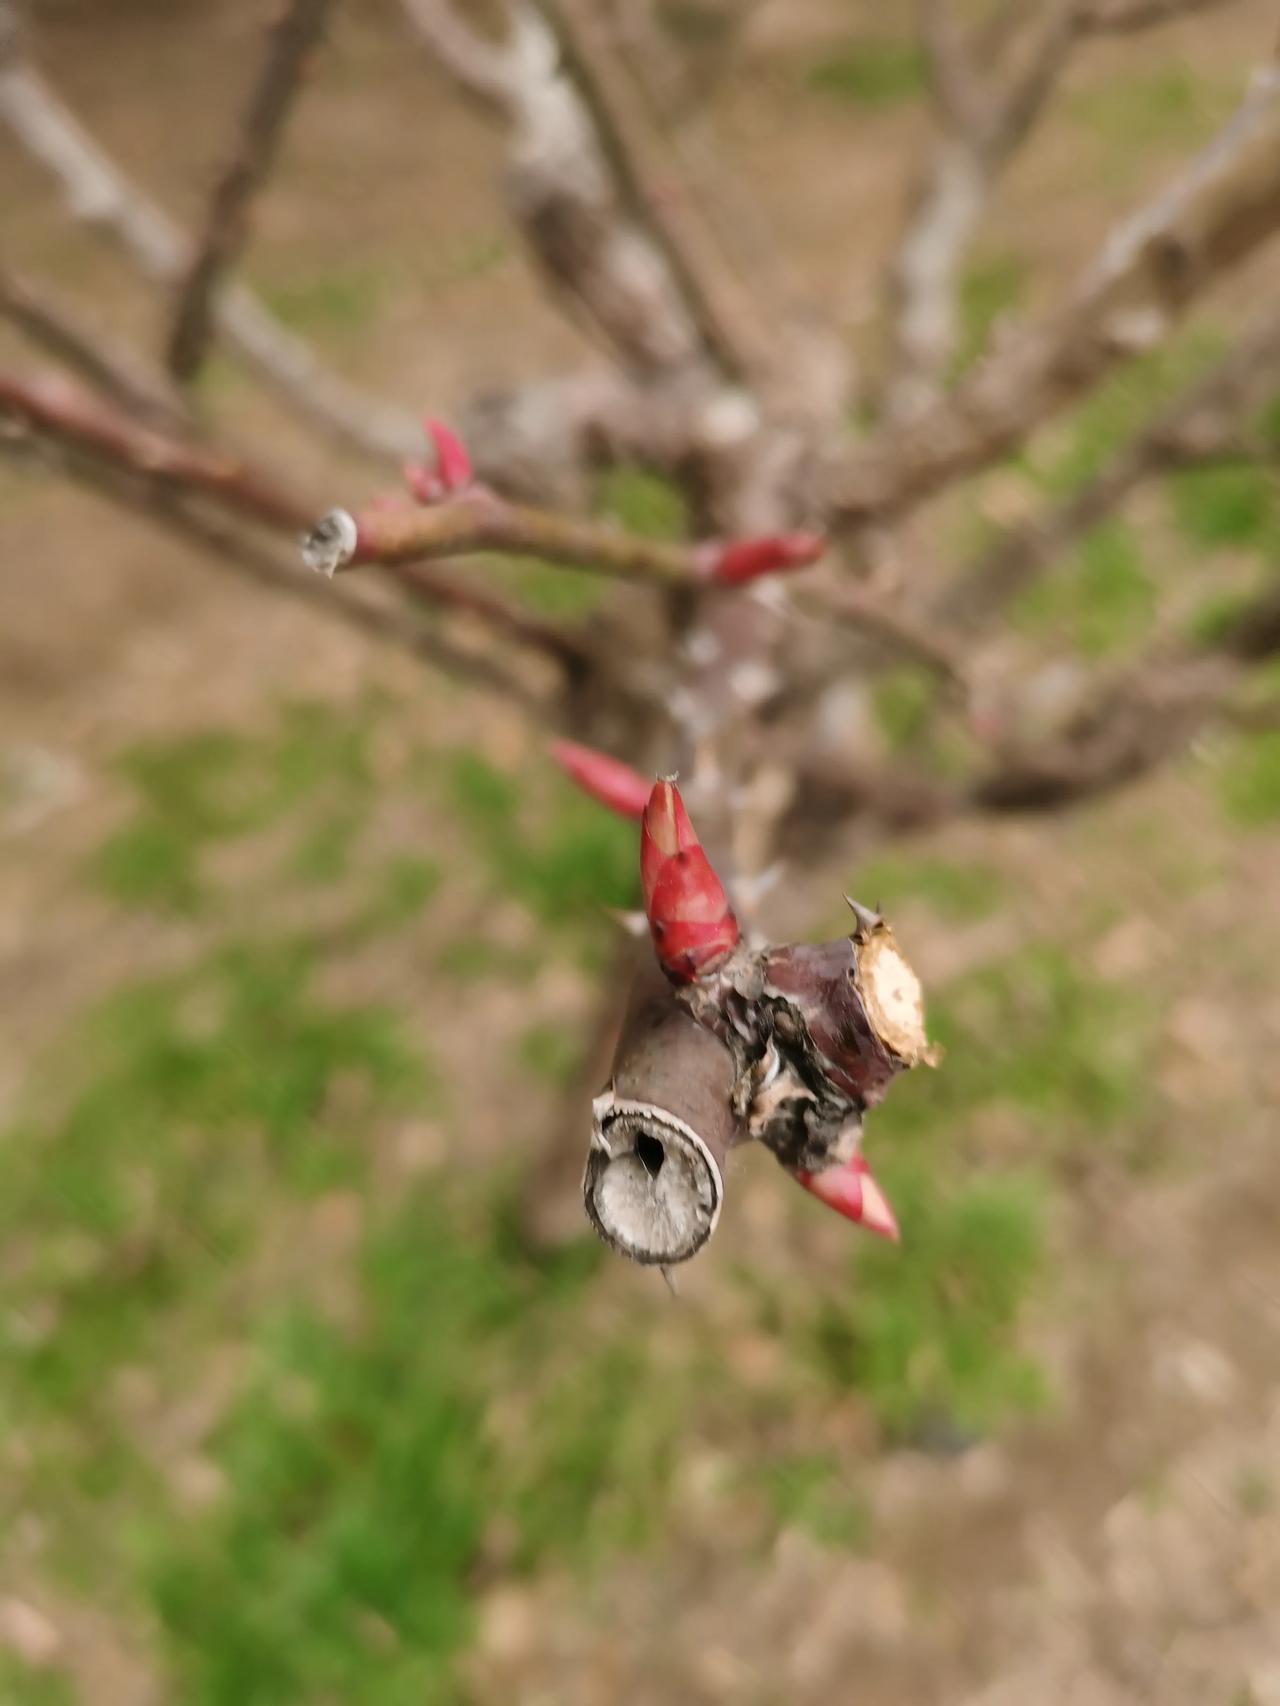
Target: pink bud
[(690, 919), (851, 1190), (426, 487), (744, 560), (608, 780), (452, 462)]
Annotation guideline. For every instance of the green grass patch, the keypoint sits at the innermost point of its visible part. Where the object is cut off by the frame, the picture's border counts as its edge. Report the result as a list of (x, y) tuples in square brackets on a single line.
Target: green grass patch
[(339, 303), (325, 850), (1078, 447), (1100, 598), (25, 1685), (199, 790), (578, 861), (463, 261), (874, 73), (552, 1053), (374, 1471), (1218, 615), (811, 1491), (641, 502), (904, 701), (1225, 506), (928, 1332), (1033, 1030), (1168, 107), (1249, 780), (992, 286), (1267, 422), (1255, 1492), (195, 1097), (958, 891), (403, 885), (473, 959)]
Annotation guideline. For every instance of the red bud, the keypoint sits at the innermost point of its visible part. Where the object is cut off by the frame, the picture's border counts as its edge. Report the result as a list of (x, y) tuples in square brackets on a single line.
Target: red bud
[(608, 780), (427, 488), (851, 1190), (452, 472), (452, 462), (744, 560), (690, 919)]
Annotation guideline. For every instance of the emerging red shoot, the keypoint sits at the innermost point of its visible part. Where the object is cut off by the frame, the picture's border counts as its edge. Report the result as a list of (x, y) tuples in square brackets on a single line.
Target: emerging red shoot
[(743, 560), (614, 784), (690, 920), (452, 462), (452, 472), (853, 1192)]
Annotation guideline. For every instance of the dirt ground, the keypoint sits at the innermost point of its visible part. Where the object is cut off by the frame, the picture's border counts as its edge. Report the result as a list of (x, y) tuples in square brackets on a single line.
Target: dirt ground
[(1122, 1546)]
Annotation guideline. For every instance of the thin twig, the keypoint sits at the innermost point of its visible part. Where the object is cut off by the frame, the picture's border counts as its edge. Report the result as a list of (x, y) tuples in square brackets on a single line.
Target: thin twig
[(1151, 268), (650, 176), (1203, 423), (904, 634), (990, 90), (36, 311), (479, 520), (253, 556), (1124, 724), (986, 111), (561, 191), (446, 592), (101, 195), (290, 41), (479, 67), (58, 409), (60, 413)]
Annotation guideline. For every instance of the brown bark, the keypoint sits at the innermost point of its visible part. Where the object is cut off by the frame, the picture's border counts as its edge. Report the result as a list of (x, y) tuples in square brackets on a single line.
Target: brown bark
[(654, 1181)]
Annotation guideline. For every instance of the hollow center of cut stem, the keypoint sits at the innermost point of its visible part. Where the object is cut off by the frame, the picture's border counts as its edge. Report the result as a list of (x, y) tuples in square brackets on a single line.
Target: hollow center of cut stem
[(650, 1154)]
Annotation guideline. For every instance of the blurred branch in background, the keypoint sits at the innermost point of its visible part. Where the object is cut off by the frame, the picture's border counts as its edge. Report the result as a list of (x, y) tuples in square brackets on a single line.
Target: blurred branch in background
[(87, 350), (291, 40), (583, 179), (1207, 423), (103, 197), (990, 86), (1126, 302)]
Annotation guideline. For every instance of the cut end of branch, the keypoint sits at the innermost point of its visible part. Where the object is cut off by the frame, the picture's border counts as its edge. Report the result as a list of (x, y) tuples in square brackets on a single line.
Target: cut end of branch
[(331, 543), (890, 991), (652, 1188)]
